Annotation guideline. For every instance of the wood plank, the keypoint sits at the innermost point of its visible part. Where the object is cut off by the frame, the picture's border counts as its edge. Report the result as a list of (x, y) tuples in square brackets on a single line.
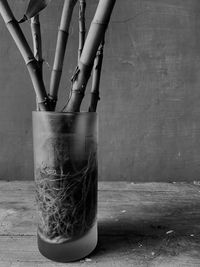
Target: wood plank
[(18, 209), (111, 251), (104, 185), (140, 224)]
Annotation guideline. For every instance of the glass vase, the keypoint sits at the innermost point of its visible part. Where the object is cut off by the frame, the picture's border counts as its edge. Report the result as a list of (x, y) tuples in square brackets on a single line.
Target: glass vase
[(65, 170)]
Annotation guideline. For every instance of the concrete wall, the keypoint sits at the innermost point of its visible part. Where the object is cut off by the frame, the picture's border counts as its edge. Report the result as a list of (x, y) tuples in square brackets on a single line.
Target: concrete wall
[(150, 91)]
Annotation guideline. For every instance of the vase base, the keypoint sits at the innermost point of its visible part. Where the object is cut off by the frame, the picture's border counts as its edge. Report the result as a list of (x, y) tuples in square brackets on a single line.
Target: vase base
[(71, 250)]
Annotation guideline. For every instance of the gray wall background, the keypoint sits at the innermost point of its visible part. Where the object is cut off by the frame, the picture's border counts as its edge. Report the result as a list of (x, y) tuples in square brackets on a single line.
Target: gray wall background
[(149, 111)]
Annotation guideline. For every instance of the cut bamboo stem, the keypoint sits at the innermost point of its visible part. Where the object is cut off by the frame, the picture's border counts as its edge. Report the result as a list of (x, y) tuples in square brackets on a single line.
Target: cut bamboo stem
[(37, 45), (82, 30), (27, 54), (95, 35), (96, 76), (62, 38)]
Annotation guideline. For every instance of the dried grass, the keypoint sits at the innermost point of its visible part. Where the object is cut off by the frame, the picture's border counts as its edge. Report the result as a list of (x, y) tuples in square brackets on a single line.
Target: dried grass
[(67, 202)]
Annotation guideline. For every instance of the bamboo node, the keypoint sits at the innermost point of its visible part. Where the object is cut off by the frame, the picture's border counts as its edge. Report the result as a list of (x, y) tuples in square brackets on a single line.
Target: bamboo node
[(78, 91), (29, 60), (52, 98), (25, 18), (63, 31), (99, 22), (57, 70), (45, 101)]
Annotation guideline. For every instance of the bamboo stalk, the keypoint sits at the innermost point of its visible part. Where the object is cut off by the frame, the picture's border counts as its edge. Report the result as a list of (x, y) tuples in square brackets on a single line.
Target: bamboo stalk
[(82, 31), (95, 35), (37, 44), (37, 40), (26, 53), (96, 76), (62, 38)]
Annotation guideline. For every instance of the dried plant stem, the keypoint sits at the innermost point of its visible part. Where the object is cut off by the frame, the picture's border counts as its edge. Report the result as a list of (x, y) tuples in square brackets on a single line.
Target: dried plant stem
[(96, 78), (82, 31), (95, 35), (37, 44), (27, 54), (62, 38)]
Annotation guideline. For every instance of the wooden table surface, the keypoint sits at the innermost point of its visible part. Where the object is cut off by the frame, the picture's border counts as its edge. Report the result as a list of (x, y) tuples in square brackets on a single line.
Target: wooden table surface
[(152, 224)]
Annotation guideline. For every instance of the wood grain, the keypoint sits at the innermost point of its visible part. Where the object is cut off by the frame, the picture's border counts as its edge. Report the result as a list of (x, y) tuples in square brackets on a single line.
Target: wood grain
[(152, 224)]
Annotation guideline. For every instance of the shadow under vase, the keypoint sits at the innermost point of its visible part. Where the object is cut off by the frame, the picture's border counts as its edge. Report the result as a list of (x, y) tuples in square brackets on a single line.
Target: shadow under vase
[(171, 233)]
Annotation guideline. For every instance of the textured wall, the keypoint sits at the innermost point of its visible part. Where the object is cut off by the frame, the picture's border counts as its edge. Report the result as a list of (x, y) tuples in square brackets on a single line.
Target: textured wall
[(150, 91)]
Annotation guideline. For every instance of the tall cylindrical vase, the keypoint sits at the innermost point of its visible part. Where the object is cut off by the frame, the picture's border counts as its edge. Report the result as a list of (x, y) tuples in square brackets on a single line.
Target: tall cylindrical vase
[(65, 166)]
